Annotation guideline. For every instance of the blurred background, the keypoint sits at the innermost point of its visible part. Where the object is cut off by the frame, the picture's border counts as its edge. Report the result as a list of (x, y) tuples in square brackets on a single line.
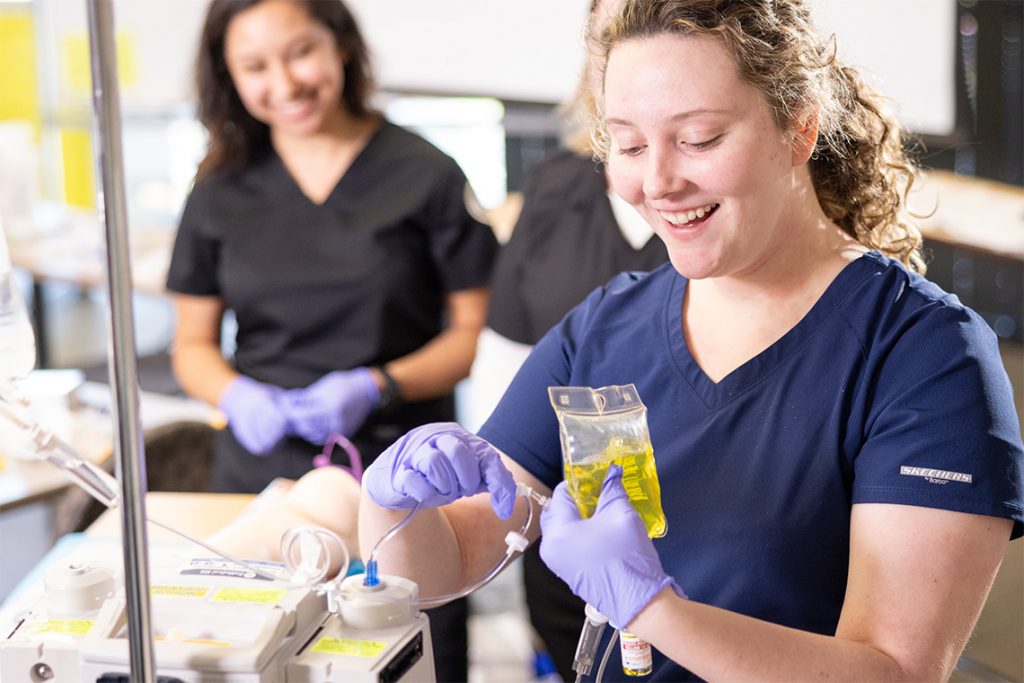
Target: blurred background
[(482, 80)]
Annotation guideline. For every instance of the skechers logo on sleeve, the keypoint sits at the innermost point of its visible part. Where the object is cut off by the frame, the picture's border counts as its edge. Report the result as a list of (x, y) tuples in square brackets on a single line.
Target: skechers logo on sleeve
[(933, 476)]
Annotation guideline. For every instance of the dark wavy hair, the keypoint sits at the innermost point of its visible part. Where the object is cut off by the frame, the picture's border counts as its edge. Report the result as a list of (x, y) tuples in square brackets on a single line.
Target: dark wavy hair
[(235, 137), (859, 167)]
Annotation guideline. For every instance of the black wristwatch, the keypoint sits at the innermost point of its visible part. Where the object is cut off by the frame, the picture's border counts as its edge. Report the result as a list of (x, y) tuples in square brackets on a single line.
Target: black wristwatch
[(391, 394)]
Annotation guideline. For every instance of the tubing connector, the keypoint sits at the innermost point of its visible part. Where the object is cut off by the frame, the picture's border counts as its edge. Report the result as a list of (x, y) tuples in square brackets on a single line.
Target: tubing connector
[(526, 491), (590, 639), (516, 542)]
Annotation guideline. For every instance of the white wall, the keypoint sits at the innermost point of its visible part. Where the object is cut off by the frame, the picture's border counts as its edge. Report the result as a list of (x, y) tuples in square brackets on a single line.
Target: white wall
[(530, 49), (907, 48)]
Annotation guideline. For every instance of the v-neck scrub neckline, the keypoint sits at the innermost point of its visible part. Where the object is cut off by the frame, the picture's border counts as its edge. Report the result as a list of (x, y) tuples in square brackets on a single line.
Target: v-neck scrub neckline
[(756, 369), (886, 377), (290, 185)]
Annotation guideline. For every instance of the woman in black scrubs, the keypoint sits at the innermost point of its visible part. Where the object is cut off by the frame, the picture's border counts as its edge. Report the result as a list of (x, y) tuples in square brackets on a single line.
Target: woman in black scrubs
[(342, 244)]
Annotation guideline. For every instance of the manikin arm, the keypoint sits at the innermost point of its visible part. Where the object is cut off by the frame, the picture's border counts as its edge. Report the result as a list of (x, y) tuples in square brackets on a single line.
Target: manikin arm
[(444, 549)]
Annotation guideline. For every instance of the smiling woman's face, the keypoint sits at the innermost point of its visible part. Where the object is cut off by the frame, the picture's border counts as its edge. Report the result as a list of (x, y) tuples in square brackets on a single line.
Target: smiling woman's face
[(285, 66), (696, 150)]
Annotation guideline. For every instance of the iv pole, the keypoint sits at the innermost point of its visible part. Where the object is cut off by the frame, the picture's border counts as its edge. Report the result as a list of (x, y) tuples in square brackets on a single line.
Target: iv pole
[(128, 446)]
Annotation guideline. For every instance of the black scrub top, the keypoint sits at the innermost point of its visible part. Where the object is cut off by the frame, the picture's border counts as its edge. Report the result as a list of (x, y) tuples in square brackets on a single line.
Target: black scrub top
[(356, 281), (565, 243)]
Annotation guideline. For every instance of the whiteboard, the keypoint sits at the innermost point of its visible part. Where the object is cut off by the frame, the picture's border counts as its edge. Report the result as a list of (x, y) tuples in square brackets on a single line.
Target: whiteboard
[(531, 50)]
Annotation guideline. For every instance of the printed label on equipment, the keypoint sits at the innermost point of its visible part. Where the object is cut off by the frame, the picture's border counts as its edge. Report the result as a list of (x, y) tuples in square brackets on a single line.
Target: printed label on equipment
[(348, 647), (253, 595), (179, 591), (71, 627), (210, 566)]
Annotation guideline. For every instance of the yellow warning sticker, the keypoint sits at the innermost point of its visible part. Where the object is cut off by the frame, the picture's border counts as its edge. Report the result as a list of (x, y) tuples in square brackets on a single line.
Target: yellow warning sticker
[(179, 591), (255, 595), (349, 647), (72, 627)]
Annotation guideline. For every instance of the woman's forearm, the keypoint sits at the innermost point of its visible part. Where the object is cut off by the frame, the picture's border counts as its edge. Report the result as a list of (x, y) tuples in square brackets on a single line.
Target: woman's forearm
[(201, 370), (719, 645), (435, 368)]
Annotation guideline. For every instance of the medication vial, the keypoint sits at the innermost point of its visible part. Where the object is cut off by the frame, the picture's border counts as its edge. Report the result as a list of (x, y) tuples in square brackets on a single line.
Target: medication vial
[(636, 655)]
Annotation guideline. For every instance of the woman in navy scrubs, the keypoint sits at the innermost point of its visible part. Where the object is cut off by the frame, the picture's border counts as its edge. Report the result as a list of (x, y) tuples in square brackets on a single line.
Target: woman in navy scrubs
[(839, 455), (573, 234), (342, 244)]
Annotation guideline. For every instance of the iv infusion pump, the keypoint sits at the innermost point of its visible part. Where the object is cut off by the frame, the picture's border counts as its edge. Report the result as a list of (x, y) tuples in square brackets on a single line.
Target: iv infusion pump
[(213, 622)]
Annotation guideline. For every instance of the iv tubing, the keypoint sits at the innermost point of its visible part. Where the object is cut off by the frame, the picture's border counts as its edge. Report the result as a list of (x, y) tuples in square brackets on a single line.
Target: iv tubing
[(371, 563), (606, 655), (294, 534)]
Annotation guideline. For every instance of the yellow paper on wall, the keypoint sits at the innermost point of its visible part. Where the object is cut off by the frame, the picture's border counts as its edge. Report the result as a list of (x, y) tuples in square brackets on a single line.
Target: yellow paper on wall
[(77, 76), (79, 181), (19, 91)]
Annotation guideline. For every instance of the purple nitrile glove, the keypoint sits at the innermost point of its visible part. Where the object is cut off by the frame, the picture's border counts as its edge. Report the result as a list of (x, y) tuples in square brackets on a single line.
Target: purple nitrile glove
[(608, 559), (253, 414), (436, 464), (337, 403)]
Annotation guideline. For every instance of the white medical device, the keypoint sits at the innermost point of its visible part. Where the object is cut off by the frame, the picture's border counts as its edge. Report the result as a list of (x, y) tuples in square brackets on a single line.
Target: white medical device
[(214, 622)]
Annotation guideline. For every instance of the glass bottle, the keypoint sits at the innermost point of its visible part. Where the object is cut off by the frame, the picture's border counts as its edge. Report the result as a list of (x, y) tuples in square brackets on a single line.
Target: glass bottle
[(637, 659)]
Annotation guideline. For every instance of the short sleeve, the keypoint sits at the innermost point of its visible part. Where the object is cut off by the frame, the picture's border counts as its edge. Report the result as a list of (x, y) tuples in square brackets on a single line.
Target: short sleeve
[(195, 259), (523, 425), (462, 246), (941, 426)]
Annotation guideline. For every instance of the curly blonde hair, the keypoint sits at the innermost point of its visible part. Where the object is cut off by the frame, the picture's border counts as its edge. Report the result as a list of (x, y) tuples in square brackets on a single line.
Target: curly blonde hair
[(860, 170)]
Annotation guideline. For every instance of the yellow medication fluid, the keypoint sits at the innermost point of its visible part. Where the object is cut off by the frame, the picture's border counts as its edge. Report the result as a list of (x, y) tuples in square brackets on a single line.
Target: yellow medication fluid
[(639, 478)]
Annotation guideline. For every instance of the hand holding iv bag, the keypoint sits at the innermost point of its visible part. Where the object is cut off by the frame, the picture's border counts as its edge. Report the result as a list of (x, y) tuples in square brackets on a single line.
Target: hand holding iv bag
[(607, 560), (601, 427)]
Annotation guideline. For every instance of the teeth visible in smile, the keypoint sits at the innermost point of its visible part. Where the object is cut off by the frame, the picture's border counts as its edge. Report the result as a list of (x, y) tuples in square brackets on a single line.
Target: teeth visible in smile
[(293, 106), (685, 217)]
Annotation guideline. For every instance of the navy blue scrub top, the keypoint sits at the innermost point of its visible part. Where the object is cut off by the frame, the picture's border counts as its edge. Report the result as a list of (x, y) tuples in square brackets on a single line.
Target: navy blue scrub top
[(888, 391)]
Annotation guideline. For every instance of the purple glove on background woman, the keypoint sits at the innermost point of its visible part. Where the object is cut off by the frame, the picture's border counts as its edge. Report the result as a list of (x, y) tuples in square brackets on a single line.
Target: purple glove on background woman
[(253, 414), (608, 559), (436, 464), (337, 403)]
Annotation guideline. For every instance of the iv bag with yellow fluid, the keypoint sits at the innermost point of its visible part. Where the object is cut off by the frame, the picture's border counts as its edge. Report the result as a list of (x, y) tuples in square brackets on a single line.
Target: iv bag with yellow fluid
[(598, 427)]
